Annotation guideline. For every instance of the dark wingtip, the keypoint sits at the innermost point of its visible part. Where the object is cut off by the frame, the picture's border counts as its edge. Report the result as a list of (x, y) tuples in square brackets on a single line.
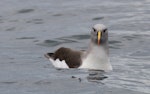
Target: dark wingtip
[(48, 55)]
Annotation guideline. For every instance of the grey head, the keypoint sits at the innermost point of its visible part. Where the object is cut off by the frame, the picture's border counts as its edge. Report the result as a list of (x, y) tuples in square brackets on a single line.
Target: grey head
[(99, 35)]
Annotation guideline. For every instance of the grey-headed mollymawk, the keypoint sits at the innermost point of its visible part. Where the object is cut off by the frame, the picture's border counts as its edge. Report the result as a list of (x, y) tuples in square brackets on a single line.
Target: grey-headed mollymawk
[(95, 57)]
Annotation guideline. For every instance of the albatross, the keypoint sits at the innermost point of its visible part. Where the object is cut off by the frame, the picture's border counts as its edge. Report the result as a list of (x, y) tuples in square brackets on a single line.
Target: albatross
[(96, 57)]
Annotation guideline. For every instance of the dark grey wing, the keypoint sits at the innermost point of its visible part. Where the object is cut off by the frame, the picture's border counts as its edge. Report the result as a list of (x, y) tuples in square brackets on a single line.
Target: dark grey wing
[(72, 58)]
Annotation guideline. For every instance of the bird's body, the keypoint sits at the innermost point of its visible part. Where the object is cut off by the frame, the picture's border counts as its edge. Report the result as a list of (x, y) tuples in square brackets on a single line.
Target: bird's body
[(95, 57)]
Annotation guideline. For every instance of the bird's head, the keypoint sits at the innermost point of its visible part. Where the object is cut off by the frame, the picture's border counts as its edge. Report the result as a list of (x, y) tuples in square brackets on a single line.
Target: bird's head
[(99, 35)]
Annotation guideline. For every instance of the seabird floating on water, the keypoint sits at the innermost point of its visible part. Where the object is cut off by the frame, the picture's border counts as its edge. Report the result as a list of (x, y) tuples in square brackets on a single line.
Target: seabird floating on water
[(95, 57)]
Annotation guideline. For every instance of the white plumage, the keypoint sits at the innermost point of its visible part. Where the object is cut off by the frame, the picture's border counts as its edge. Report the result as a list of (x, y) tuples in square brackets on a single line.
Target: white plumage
[(97, 59), (59, 64)]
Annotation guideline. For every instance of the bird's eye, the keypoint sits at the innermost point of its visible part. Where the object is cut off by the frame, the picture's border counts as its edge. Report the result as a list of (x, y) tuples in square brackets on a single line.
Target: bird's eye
[(94, 29), (104, 30)]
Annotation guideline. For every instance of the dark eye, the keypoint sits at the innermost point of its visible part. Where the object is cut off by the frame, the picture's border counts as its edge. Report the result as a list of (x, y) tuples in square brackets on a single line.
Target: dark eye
[(94, 29), (104, 30)]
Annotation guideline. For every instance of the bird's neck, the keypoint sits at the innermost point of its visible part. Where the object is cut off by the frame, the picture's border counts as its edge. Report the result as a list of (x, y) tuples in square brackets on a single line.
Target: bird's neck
[(96, 47)]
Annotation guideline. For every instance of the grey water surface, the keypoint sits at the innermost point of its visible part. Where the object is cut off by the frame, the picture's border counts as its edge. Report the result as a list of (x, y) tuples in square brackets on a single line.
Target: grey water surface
[(31, 28)]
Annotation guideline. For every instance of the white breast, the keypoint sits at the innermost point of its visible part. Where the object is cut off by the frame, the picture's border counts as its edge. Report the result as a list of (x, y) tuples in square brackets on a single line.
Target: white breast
[(97, 59)]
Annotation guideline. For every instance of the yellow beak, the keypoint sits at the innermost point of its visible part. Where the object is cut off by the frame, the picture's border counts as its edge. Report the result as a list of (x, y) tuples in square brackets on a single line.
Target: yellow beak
[(98, 37)]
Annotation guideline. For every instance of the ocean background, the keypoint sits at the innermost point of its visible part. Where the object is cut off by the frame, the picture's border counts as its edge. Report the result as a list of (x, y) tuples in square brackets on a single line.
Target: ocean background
[(31, 28)]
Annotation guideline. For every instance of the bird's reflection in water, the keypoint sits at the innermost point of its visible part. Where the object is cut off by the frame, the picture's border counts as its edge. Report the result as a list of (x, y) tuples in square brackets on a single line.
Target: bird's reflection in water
[(96, 76)]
